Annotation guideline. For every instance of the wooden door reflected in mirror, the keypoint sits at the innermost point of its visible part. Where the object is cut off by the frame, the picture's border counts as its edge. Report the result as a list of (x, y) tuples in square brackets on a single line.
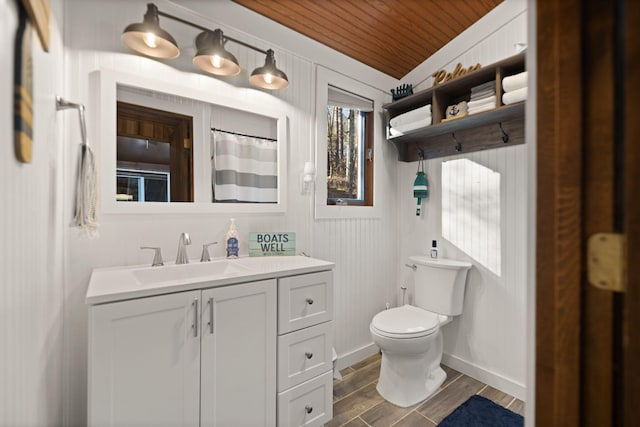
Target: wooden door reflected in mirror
[(154, 155)]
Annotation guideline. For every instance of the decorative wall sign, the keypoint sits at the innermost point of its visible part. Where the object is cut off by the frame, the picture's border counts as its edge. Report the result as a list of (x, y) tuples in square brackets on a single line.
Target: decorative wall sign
[(272, 243), (39, 12), (442, 76)]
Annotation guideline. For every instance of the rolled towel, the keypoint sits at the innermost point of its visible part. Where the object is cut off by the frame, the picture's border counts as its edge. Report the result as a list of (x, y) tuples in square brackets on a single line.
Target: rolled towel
[(481, 108), (406, 127), (514, 96), (490, 100), (411, 116), (515, 82)]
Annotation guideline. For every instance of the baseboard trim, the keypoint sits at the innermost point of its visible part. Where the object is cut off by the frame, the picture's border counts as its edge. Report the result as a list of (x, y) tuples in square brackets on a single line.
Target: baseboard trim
[(355, 356), (488, 377)]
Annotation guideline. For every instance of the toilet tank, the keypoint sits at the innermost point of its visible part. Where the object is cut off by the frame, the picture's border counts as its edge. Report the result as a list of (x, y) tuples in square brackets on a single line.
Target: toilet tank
[(439, 284)]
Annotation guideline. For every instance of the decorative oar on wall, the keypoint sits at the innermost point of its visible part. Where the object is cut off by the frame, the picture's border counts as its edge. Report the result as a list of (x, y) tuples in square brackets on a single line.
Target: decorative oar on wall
[(32, 13)]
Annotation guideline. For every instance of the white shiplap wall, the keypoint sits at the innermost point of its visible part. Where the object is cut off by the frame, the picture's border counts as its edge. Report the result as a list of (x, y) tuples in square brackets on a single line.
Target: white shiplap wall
[(364, 250), (31, 246), (488, 341)]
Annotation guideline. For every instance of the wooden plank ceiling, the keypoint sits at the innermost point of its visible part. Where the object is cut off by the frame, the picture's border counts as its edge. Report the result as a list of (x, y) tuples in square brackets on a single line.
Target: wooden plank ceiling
[(392, 36)]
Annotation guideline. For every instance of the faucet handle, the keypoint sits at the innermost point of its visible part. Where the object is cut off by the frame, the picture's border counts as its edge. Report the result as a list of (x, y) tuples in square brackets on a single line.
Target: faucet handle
[(157, 257), (184, 237), (205, 252)]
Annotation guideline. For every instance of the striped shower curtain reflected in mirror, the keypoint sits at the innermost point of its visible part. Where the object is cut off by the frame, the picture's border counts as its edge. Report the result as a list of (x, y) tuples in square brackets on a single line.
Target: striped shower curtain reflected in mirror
[(244, 169)]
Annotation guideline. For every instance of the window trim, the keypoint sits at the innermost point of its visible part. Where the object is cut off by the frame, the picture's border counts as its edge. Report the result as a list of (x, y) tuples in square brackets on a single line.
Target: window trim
[(324, 78), (368, 166)]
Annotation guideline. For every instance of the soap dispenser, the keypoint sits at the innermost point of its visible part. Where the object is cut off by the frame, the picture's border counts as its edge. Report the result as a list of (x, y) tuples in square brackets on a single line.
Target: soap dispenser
[(231, 240)]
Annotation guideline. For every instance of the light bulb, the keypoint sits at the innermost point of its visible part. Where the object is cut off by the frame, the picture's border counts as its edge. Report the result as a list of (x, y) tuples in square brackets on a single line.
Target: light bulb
[(215, 61), (150, 40), (268, 78)]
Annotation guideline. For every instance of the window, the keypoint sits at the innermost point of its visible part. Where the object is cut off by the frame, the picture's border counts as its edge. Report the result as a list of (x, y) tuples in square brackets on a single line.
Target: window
[(349, 148)]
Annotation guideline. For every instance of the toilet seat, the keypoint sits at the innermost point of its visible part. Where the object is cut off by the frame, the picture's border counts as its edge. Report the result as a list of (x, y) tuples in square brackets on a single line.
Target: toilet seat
[(406, 322)]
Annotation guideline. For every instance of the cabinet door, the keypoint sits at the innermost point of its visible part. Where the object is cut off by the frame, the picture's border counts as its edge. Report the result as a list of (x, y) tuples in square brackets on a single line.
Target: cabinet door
[(239, 355), (144, 362)]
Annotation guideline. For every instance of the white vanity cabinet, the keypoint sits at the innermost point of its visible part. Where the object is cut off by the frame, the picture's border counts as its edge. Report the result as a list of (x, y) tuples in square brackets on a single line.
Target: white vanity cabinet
[(226, 343), (305, 338), (144, 362), (198, 358), (239, 355)]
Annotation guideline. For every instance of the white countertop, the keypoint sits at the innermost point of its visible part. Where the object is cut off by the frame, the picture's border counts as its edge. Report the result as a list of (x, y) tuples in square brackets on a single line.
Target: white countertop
[(121, 283)]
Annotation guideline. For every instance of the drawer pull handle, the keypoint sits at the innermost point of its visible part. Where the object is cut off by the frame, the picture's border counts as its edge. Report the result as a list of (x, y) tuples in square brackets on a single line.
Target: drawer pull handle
[(309, 409), (308, 354), (309, 301)]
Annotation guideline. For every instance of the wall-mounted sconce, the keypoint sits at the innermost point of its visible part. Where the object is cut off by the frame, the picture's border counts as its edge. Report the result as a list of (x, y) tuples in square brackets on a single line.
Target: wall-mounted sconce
[(308, 177), (149, 39)]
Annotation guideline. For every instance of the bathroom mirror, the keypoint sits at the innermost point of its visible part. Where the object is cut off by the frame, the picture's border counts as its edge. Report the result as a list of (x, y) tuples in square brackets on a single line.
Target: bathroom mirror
[(205, 147)]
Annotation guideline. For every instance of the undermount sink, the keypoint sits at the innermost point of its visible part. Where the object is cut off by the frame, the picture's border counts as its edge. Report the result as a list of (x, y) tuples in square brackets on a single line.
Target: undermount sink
[(170, 273)]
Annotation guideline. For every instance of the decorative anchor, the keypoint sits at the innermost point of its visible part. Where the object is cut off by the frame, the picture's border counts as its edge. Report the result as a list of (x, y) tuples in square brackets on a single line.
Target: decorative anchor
[(420, 185)]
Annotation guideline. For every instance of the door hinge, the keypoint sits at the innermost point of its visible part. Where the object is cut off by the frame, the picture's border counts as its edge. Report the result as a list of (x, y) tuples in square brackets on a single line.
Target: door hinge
[(606, 262)]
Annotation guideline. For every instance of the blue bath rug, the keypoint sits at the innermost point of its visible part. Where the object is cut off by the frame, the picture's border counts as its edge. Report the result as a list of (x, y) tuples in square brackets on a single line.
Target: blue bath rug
[(481, 412)]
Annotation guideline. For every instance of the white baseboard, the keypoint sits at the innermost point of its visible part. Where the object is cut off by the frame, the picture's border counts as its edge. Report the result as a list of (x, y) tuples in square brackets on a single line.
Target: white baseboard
[(493, 379), (355, 356)]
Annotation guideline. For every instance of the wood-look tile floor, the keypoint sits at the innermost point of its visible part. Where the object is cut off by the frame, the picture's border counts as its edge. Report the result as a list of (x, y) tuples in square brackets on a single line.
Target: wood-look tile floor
[(356, 403)]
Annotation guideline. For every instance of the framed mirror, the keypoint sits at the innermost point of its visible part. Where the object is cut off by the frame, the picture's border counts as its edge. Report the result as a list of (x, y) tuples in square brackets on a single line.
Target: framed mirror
[(203, 148)]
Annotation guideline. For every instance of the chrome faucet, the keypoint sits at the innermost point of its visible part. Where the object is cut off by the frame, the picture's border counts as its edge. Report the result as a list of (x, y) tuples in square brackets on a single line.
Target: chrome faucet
[(182, 257)]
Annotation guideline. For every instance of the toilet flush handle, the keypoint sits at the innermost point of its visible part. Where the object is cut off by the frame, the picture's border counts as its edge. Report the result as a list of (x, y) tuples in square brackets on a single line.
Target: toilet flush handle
[(411, 266)]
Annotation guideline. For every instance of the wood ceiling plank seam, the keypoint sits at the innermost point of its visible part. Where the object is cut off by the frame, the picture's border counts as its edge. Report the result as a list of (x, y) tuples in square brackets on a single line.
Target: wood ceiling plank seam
[(390, 33), (301, 22), (441, 37), (401, 18), (457, 23), (481, 7), (360, 49)]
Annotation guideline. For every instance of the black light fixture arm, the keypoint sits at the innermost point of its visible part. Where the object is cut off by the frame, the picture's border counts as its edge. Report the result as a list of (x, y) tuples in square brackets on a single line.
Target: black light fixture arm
[(201, 28)]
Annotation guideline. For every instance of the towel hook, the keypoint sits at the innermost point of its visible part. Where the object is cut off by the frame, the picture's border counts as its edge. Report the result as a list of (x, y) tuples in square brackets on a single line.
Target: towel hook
[(63, 104), (505, 136), (458, 143)]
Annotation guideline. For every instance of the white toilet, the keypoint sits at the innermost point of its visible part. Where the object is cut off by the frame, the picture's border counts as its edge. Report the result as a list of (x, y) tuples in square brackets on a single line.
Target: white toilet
[(410, 336)]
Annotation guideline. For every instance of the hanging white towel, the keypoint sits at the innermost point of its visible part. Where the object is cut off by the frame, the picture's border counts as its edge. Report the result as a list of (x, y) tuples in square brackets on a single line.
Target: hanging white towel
[(515, 82), (86, 206), (514, 96)]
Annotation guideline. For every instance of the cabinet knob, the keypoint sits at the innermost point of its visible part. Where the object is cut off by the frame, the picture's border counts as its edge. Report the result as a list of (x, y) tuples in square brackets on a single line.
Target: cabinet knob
[(308, 354), (309, 301), (309, 409)]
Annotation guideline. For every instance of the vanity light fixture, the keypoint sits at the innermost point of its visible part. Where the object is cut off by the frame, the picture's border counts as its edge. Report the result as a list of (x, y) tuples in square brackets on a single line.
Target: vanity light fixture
[(149, 39)]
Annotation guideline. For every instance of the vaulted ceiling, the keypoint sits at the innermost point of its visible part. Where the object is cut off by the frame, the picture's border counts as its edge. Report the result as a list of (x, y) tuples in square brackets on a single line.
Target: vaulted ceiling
[(392, 36)]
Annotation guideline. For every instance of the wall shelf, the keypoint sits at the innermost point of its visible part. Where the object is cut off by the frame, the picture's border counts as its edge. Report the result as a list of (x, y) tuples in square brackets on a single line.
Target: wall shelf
[(467, 134)]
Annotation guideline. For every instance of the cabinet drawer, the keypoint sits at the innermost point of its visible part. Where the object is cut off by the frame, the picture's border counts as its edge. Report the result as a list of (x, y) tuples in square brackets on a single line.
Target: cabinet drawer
[(304, 354), (304, 301), (308, 404)]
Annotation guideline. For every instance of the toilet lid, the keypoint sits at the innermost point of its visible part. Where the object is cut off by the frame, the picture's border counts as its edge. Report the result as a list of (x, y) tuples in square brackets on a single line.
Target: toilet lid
[(405, 322)]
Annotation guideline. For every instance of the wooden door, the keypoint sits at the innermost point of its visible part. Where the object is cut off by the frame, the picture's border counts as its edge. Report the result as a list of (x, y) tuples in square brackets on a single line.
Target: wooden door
[(144, 362), (588, 153), (239, 355)]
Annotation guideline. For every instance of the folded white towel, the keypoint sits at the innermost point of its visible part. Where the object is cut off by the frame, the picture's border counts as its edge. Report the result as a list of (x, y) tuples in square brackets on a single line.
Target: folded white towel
[(514, 96), (515, 82), (483, 86), (483, 94), (406, 127), (411, 116), (481, 108), (481, 102)]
